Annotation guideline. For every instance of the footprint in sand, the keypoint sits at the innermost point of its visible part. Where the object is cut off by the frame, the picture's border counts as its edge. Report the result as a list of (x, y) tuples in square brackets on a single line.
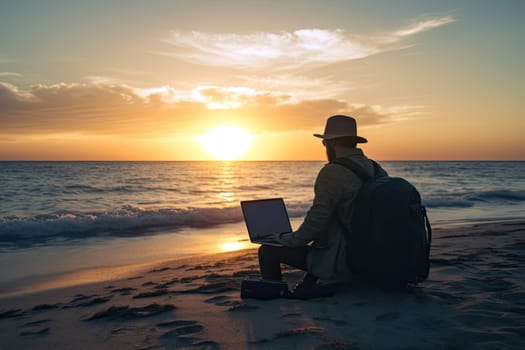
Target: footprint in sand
[(160, 270), (123, 291), (36, 323), (222, 300), (299, 331), (218, 300), (43, 331), (234, 304), (86, 301), (156, 293), (185, 333), (45, 307), (12, 313), (135, 278), (130, 313), (241, 306), (166, 284)]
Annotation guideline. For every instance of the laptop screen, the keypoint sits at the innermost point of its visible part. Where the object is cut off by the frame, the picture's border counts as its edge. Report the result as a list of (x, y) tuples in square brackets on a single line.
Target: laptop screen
[(265, 216)]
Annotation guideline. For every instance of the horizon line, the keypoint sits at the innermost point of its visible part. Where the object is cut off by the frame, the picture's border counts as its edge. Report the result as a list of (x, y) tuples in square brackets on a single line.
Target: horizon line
[(253, 160)]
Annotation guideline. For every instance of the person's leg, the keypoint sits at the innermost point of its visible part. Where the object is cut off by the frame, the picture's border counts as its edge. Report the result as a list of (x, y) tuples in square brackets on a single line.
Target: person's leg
[(270, 259)]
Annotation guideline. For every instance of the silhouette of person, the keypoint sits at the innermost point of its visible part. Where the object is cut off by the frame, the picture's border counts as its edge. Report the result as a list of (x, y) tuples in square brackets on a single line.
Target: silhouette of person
[(318, 245)]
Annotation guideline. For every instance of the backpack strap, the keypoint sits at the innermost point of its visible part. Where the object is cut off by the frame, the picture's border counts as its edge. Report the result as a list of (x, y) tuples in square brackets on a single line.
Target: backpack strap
[(361, 173), (429, 238), (355, 168)]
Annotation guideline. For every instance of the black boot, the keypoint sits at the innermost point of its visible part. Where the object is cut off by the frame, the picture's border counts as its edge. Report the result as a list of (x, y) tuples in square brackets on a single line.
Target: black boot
[(309, 288)]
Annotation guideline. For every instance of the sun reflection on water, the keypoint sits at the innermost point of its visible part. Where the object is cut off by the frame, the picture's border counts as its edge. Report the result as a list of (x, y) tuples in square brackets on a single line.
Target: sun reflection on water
[(227, 182)]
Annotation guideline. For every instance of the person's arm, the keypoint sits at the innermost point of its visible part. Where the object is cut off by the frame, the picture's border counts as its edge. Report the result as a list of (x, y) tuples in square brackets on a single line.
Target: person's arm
[(328, 190)]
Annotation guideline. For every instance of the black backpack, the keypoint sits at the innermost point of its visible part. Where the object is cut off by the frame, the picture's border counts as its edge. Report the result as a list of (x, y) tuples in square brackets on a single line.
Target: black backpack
[(389, 240)]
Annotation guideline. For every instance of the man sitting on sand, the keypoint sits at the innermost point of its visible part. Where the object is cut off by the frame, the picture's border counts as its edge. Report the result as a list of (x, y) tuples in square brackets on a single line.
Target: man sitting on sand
[(318, 246)]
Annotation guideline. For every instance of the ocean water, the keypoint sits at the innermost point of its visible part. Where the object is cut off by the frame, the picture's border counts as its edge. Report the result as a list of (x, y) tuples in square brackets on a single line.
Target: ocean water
[(48, 202), (61, 217)]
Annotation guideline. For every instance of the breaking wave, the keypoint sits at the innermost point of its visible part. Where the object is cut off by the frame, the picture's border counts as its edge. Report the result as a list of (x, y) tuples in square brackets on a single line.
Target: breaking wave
[(466, 200), (126, 220)]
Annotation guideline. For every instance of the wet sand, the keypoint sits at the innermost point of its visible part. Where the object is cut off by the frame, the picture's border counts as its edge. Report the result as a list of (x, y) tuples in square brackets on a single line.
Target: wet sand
[(474, 299)]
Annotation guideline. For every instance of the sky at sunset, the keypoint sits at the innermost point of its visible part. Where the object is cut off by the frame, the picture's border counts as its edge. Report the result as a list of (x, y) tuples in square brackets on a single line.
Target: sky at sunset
[(165, 80)]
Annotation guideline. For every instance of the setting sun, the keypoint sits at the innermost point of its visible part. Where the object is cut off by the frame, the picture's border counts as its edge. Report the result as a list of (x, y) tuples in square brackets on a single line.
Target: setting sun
[(226, 142)]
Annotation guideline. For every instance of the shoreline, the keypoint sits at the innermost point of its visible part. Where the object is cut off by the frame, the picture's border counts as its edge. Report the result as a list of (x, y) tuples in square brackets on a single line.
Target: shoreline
[(474, 298), (115, 253), (92, 276), (106, 273)]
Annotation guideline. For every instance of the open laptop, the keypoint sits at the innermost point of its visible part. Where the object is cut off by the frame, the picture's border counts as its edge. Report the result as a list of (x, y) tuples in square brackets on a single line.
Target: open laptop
[(265, 220)]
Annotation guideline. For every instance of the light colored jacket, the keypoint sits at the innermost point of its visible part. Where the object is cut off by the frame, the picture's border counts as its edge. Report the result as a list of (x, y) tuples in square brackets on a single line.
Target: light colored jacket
[(335, 189)]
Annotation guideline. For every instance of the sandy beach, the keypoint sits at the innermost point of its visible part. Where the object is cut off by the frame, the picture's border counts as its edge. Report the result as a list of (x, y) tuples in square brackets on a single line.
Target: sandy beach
[(474, 299)]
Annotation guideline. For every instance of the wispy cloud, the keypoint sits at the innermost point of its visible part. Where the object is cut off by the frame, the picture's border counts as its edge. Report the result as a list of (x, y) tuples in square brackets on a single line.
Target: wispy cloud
[(282, 51), (423, 26), (63, 107), (123, 110), (10, 74), (289, 50), (101, 79), (300, 87)]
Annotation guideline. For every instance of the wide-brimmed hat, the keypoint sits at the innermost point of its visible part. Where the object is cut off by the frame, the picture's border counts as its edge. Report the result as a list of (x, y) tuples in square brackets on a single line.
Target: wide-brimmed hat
[(341, 126)]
